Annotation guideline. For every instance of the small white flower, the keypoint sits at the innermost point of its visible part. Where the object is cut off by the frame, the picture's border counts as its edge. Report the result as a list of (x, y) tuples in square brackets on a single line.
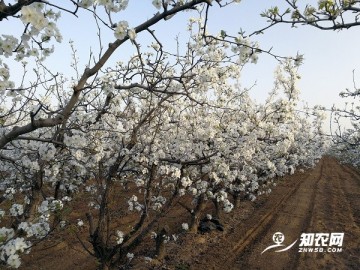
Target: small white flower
[(66, 199), (153, 235), (13, 261), (157, 3), (228, 206), (132, 34), (80, 223), (130, 256), (62, 224), (56, 205), (185, 226), (20, 244), (86, 3), (186, 181), (147, 259), (121, 30), (120, 237), (156, 47), (16, 210)]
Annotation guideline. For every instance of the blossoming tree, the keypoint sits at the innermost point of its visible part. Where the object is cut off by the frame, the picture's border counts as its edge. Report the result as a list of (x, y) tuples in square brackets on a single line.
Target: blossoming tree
[(324, 15), (329, 15), (137, 136), (345, 128)]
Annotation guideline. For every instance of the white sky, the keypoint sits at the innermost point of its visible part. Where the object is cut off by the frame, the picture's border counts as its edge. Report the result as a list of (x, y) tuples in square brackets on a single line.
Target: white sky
[(330, 57)]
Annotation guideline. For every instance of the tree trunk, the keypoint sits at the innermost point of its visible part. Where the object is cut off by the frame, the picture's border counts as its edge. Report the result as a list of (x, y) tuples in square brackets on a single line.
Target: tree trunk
[(160, 243), (194, 223), (217, 209), (57, 216), (103, 266), (30, 212), (236, 200)]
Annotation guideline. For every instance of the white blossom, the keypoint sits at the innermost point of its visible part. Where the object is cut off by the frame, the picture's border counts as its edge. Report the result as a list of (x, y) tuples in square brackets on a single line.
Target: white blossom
[(132, 34), (185, 226), (121, 30), (16, 210), (80, 223), (157, 3), (119, 237)]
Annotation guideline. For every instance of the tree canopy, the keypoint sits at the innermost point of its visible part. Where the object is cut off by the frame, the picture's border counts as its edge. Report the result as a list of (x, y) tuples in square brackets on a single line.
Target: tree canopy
[(161, 129)]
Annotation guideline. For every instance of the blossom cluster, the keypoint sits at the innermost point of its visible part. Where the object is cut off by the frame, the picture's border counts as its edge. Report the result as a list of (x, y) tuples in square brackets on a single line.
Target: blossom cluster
[(160, 127), (345, 135)]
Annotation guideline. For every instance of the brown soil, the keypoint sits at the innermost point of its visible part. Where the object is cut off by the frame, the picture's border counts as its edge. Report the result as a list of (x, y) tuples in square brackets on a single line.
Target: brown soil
[(325, 199)]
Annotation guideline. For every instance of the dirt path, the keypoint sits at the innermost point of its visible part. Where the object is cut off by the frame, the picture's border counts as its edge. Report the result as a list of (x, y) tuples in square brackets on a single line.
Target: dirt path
[(323, 200)]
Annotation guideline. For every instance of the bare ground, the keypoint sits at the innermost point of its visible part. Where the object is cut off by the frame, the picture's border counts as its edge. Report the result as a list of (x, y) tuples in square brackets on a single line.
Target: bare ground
[(325, 199)]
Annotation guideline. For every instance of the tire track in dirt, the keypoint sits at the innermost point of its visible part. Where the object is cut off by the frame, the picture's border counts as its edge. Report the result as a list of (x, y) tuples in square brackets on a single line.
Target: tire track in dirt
[(238, 244), (321, 206), (350, 191), (336, 210), (294, 214), (265, 225), (322, 200)]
